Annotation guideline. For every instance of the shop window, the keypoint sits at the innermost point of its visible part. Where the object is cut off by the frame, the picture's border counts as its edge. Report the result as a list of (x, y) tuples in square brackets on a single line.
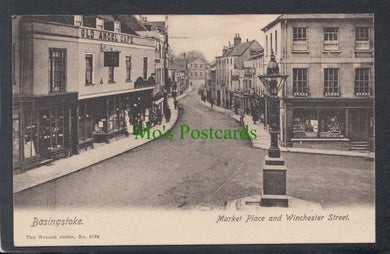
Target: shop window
[(30, 134), (51, 130), (15, 136), (300, 82), (88, 69), (299, 38), (332, 124), (362, 38), (145, 69), (128, 68), (85, 121), (331, 82), (305, 124), (57, 69), (362, 81), (111, 74), (331, 41), (100, 116)]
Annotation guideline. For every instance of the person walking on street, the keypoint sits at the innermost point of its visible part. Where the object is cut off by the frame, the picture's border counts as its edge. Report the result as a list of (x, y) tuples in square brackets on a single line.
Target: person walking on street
[(167, 114), (212, 102), (175, 103)]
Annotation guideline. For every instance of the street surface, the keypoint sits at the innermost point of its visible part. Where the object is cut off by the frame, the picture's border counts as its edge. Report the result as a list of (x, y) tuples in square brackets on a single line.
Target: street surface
[(186, 173)]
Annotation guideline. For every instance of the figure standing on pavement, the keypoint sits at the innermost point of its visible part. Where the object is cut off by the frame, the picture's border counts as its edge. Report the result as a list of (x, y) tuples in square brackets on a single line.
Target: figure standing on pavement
[(175, 103), (212, 102), (167, 114)]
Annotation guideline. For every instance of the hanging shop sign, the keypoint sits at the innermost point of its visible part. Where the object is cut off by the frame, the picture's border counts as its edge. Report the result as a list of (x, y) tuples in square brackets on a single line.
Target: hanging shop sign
[(111, 59)]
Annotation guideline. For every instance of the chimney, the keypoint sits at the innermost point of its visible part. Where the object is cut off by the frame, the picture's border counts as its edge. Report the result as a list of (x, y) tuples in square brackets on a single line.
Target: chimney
[(237, 40), (224, 50), (184, 55)]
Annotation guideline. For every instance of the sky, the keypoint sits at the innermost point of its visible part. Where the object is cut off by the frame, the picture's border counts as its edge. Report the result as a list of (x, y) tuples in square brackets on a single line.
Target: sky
[(209, 33)]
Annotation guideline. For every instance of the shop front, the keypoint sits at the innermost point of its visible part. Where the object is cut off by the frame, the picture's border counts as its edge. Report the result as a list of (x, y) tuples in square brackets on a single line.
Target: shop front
[(329, 125), (44, 129), (103, 118)]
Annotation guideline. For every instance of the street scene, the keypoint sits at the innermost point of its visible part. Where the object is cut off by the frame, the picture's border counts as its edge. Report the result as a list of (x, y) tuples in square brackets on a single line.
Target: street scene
[(86, 89), (188, 173)]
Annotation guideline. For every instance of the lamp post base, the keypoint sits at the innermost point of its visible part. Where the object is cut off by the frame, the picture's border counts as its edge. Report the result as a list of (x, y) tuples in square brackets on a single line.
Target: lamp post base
[(274, 183), (274, 201)]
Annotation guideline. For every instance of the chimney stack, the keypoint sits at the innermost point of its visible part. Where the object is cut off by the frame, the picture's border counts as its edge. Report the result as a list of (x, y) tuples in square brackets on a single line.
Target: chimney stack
[(224, 50), (237, 39)]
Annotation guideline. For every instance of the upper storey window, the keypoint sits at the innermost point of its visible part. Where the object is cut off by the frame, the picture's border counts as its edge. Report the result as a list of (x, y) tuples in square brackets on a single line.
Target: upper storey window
[(331, 40), (362, 38), (117, 26), (100, 23), (78, 20), (299, 38)]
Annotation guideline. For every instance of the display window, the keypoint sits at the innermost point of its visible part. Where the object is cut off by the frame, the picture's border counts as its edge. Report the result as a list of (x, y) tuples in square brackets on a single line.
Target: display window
[(15, 136), (30, 134), (305, 124), (332, 124), (99, 117)]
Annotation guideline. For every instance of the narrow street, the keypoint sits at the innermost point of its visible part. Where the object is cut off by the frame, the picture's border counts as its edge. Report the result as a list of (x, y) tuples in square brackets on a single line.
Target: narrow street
[(185, 173)]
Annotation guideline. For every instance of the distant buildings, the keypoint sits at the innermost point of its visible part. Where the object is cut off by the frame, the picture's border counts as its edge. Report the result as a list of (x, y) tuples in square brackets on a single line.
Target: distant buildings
[(233, 80), (79, 80), (197, 70), (328, 99)]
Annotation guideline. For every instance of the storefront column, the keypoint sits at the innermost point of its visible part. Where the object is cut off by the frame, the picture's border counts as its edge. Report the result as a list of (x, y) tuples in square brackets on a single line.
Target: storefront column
[(107, 117), (319, 123), (347, 123)]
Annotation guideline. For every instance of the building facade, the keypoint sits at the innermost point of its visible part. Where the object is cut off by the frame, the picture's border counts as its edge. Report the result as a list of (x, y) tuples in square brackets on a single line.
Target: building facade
[(328, 98), (76, 80), (232, 88), (197, 71)]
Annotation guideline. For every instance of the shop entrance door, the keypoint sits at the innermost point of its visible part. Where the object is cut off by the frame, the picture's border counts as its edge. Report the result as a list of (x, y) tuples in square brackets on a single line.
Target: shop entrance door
[(359, 122)]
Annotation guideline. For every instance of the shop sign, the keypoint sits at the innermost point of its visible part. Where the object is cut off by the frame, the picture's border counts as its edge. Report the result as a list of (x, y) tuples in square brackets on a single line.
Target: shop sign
[(105, 36), (111, 59)]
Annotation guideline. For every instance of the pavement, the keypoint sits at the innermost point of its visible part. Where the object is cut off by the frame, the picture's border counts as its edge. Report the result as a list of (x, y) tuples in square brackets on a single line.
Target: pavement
[(99, 153), (263, 139)]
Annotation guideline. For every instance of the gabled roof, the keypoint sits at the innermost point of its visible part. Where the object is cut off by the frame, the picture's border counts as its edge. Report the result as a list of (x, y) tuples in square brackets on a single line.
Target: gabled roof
[(180, 64), (131, 23), (241, 48), (193, 60)]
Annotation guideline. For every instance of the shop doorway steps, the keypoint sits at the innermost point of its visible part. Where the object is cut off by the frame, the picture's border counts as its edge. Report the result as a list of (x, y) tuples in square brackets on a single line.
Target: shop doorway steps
[(359, 146)]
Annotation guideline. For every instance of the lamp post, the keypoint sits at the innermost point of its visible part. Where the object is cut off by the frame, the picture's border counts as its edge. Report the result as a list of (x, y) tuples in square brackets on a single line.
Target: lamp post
[(274, 170)]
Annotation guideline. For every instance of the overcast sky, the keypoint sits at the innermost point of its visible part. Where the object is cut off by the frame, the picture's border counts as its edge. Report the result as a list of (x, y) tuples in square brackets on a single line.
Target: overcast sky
[(209, 33)]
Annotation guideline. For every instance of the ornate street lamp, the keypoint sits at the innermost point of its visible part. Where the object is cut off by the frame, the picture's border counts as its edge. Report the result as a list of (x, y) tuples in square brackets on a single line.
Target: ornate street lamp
[(274, 170)]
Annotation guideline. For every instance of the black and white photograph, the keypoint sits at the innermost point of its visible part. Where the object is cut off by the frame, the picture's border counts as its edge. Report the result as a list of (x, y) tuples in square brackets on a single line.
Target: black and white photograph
[(193, 129)]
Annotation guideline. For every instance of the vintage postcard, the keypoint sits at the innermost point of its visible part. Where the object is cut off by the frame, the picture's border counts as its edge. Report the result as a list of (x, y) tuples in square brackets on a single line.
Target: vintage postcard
[(193, 129)]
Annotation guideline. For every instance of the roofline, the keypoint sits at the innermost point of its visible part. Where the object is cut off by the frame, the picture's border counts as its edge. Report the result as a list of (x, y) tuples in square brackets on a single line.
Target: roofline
[(343, 16)]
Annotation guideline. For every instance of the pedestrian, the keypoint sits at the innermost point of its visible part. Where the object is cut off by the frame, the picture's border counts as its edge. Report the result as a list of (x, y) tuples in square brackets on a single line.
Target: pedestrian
[(254, 117), (175, 103), (242, 119), (212, 102), (159, 116), (167, 114)]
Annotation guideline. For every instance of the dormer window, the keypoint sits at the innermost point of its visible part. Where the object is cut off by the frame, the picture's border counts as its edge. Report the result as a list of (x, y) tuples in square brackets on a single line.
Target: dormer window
[(78, 20), (100, 23), (117, 26)]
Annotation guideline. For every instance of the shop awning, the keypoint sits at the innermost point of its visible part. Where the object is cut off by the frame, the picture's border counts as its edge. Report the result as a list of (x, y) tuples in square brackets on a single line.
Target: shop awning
[(88, 96)]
